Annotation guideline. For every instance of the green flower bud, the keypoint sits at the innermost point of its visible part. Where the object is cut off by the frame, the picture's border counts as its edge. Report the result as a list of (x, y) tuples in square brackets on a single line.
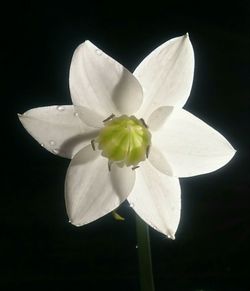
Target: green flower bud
[(124, 139)]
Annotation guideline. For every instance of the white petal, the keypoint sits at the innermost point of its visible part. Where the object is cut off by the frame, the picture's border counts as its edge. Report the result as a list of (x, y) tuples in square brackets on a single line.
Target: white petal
[(159, 161), (58, 129), (100, 83), (159, 117), (156, 199), (90, 117), (123, 179), (89, 193), (166, 75), (190, 146)]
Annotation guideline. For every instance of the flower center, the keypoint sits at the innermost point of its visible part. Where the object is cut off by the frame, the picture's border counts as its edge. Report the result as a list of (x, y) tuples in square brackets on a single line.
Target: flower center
[(124, 139)]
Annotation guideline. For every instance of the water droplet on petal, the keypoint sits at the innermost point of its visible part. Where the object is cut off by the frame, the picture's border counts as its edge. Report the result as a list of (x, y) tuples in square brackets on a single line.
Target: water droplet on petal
[(60, 108), (98, 52), (76, 114), (42, 145), (55, 151), (52, 142), (132, 205), (69, 221)]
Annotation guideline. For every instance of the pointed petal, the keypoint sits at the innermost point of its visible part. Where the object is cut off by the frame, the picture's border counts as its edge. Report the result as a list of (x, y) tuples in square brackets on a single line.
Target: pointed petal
[(58, 129), (100, 83), (190, 146), (166, 75), (89, 193), (156, 199)]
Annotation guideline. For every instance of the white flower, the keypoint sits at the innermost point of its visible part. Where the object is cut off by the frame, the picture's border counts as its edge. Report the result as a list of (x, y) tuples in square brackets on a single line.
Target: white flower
[(103, 172)]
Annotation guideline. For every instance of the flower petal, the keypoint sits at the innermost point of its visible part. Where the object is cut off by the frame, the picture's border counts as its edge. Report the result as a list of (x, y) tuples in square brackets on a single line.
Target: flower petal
[(58, 129), (159, 116), (123, 179), (156, 199), (100, 83), (190, 146), (166, 75), (89, 192), (89, 117), (159, 161)]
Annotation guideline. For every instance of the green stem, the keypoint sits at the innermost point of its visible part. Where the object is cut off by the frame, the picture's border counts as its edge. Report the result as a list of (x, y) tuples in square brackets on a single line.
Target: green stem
[(144, 255)]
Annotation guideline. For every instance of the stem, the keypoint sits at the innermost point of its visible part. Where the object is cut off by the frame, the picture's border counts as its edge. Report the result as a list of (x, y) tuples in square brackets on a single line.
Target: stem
[(144, 255)]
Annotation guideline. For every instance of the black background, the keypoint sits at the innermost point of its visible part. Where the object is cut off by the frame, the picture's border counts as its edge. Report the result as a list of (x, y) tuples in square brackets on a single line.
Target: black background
[(39, 248)]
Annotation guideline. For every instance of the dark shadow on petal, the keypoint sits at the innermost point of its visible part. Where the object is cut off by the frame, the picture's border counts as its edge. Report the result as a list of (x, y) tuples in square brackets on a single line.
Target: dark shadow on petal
[(74, 142), (120, 87), (84, 156), (124, 96)]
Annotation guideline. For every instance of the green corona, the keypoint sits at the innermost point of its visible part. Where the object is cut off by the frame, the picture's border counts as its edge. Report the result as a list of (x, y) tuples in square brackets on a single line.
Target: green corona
[(124, 139)]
